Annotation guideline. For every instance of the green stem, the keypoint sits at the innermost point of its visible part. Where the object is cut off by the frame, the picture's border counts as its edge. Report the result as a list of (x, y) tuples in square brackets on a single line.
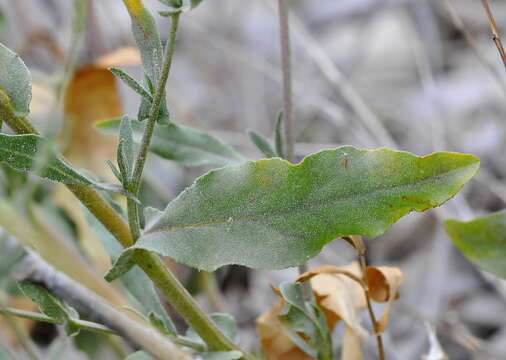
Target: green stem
[(183, 302), (154, 111)]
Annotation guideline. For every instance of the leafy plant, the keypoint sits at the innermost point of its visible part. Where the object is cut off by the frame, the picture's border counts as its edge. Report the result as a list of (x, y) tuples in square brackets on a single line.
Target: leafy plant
[(265, 214)]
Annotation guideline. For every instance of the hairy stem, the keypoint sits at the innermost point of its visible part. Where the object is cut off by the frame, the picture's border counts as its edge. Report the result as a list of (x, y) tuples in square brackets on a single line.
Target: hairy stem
[(133, 211)]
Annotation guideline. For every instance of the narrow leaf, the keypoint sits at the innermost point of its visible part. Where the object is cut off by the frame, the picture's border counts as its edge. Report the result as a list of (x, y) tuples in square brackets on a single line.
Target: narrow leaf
[(45, 301), (22, 152), (126, 150), (132, 83), (183, 144), (224, 322), (147, 38), (261, 143), (278, 135), (15, 81), (271, 214), (482, 240)]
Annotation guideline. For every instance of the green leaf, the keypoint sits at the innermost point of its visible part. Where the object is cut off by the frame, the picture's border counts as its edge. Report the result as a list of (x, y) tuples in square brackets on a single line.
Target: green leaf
[(22, 152), (139, 355), (261, 143), (132, 83), (278, 136), (482, 240), (126, 150), (33, 153), (158, 322), (224, 322), (15, 81), (147, 39), (183, 144), (45, 301), (270, 214), (303, 317)]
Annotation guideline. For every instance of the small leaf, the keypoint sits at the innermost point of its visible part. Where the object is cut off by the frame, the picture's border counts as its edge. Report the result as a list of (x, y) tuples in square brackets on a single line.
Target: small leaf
[(224, 322), (126, 150), (30, 153), (21, 152), (132, 83), (195, 3), (147, 39), (45, 301), (278, 136), (158, 322), (183, 144), (302, 317), (15, 81), (482, 240), (261, 143), (270, 214), (114, 170)]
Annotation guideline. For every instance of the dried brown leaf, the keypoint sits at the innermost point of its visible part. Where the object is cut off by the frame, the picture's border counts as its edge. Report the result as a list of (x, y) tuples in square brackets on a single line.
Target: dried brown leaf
[(384, 283)]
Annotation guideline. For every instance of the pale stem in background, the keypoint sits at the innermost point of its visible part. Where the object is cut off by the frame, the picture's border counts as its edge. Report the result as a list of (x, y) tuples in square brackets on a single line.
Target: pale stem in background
[(496, 36)]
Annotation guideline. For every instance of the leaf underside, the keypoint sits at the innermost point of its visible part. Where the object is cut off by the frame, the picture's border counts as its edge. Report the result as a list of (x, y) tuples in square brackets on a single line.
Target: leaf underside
[(271, 214), (482, 240), (182, 144)]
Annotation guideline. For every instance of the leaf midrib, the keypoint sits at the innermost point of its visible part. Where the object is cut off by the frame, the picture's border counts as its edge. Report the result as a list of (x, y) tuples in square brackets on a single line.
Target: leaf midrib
[(296, 209)]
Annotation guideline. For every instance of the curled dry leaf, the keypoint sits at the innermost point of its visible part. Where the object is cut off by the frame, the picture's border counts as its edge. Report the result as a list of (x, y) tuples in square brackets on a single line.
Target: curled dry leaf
[(384, 283), (339, 292)]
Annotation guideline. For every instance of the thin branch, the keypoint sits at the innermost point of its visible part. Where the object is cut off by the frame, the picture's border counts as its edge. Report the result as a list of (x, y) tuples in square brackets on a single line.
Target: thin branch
[(468, 37), (496, 36)]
